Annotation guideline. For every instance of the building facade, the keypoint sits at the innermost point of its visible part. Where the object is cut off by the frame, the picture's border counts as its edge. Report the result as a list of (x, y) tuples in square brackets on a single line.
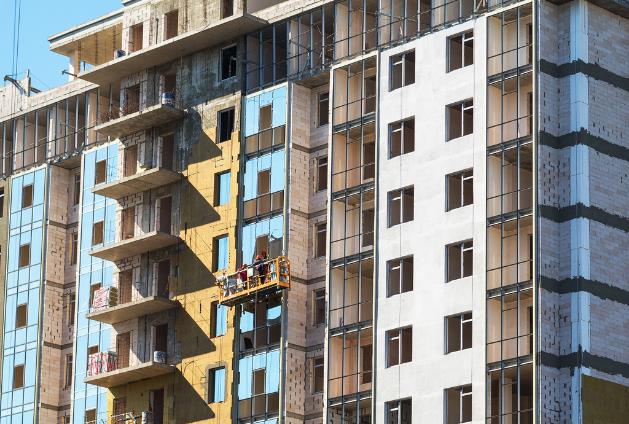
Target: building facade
[(344, 211)]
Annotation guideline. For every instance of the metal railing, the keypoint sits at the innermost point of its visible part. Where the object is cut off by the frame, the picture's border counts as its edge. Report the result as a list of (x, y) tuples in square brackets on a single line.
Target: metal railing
[(256, 278)]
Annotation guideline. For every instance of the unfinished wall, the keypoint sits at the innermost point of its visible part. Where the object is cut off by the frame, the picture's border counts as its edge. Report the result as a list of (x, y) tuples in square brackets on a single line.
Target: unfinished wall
[(582, 170)]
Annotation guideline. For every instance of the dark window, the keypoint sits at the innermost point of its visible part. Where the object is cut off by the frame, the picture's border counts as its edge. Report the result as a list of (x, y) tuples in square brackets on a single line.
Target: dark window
[(322, 173), (458, 405), (228, 62), (74, 247), (399, 276), (399, 412), (161, 338), (459, 258), (1, 202), (317, 375), (264, 182), (93, 289), (18, 376), (21, 316), (67, 376), (401, 206), (100, 172), (156, 406), (460, 119), (324, 104), (401, 137), (318, 307), (172, 24), (266, 117), (97, 233), (460, 189), (460, 50), (225, 124), (227, 8), (27, 196), (402, 70), (71, 308), (320, 239), (136, 37), (24, 255), (458, 332), (399, 346), (77, 189)]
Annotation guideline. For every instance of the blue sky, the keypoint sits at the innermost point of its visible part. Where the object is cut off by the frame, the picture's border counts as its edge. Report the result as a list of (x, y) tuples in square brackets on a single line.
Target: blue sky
[(39, 20)]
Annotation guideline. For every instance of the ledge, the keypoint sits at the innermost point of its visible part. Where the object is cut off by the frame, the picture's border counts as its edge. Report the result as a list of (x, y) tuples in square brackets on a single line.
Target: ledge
[(130, 310), (152, 116), (185, 44), (137, 183), (129, 374), (135, 246)]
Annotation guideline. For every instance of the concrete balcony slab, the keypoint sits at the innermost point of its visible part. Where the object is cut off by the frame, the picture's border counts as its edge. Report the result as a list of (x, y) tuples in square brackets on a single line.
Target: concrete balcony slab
[(137, 183)]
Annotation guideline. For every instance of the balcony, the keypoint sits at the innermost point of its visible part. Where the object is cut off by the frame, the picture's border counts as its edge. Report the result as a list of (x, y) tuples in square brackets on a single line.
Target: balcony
[(137, 183), (135, 120), (109, 378), (134, 246), (259, 280), (182, 45), (131, 310)]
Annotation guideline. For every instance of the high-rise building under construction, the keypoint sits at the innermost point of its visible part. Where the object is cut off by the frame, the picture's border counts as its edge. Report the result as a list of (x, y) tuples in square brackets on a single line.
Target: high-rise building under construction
[(341, 211)]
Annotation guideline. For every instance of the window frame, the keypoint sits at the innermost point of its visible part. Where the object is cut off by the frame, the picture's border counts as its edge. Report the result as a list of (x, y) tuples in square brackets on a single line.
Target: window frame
[(397, 405), (218, 190), (462, 178), (464, 246), (212, 398), (401, 194), (322, 185), (216, 254), (323, 118), (462, 106), (317, 296), (463, 392), (403, 128), (315, 367), (27, 202), (465, 320), (320, 247), (231, 113), (400, 59), (222, 77), (398, 334), (402, 263), (465, 38)]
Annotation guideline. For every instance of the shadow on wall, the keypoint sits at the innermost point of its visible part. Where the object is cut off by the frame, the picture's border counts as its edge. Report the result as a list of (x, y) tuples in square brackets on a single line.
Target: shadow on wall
[(189, 404), (192, 340), (204, 148)]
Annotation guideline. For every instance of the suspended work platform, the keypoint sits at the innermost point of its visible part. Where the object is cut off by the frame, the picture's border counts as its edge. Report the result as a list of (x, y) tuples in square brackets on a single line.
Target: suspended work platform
[(257, 280)]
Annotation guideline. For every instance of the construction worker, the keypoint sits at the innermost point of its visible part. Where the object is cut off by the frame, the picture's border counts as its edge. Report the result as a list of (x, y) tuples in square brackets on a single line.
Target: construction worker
[(261, 266)]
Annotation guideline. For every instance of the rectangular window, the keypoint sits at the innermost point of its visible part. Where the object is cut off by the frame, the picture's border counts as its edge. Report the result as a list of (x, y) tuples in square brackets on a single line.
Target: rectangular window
[(24, 255), (227, 8), (460, 189), (264, 182), (161, 338), (318, 312), (458, 404), (98, 232), (317, 374), (172, 24), (458, 332), (216, 385), (93, 289), (221, 253), (136, 39), (324, 105), (401, 206), (320, 239), (218, 320), (399, 276), (402, 70), (322, 173), (459, 258), (21, 316), (222, 191), (18, 376), (399, 412), (77, 189), (266, 117), (228, 62), (90, 416), (401, 137), (74, 248), (100, 172), (399, 346), (71, 308), (225, 124), (1, 202), (27, 196), (460, 50), (460, 119), (67, 375)]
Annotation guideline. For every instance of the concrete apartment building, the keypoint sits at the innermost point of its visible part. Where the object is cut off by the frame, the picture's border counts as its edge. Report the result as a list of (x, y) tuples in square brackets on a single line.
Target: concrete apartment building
[(440, 188)]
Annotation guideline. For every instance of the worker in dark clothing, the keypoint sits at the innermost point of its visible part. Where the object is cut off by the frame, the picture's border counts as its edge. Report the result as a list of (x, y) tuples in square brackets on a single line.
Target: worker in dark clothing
[(261, 266)]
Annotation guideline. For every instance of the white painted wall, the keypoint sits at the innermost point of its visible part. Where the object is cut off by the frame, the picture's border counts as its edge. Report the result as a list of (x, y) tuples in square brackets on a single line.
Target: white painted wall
[(431, 371)]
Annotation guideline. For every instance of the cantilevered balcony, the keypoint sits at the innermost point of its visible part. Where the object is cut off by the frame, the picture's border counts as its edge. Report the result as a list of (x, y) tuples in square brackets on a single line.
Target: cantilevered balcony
[(131, 310), (182, 45), (130, 374), (137, 183), (135, 245), (138, 119)]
